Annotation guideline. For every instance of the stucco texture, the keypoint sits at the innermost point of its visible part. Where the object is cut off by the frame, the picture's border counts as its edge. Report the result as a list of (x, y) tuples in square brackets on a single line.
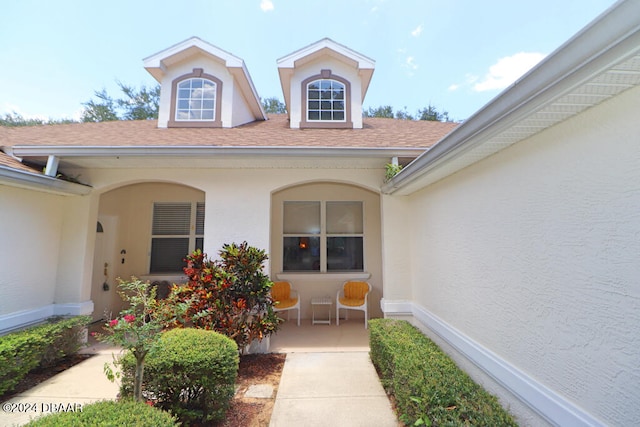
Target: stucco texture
[(533, 253), (31, 235)]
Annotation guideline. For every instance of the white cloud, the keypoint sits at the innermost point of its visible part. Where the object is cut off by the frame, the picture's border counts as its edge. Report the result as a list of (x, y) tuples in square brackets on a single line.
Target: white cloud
[(266, 5), (469, 80), (410, 63), (417, 31), (507, 70)]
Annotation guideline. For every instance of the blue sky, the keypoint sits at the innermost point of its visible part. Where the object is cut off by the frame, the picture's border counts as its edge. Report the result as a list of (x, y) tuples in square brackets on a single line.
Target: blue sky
[(454, 54)]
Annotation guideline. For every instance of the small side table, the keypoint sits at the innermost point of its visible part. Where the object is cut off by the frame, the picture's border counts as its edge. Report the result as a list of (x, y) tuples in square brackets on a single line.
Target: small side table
[(317, 302)]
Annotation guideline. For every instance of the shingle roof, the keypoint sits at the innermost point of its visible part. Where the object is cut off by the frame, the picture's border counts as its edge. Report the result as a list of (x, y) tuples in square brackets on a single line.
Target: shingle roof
[(8, 161), (275, 132)]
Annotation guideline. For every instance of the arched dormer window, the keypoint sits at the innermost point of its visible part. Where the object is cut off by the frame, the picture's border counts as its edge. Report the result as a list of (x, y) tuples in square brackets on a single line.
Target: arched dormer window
[(326, 101), (196, 100)]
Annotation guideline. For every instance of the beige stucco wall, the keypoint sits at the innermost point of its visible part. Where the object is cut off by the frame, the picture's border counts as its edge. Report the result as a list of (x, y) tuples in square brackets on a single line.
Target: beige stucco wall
[(132, 206), (238, 207), (311, 285), (533, 254)]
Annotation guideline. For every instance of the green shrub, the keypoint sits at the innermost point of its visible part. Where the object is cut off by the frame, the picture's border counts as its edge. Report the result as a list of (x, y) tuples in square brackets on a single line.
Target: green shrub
[(427, 385), (68, 336), (19, 353), (42, 345), (191, 373), (108, 413)]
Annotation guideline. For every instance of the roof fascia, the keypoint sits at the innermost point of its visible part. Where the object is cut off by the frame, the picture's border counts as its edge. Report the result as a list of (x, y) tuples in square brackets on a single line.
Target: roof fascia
[(242, 76), (196, 151), (156, 60), (611, 38), (289, 61), (37, 182)]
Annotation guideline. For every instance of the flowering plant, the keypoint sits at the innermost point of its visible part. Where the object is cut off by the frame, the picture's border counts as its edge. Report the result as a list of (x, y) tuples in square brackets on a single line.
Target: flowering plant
[(137, 328)]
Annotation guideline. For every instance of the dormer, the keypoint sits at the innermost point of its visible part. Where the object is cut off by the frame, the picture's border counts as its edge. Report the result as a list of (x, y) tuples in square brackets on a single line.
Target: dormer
[(324, 85), (202, 85)]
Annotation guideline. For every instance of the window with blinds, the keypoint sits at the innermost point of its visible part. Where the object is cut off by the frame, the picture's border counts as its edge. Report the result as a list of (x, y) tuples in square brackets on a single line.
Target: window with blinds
[(177, 230)]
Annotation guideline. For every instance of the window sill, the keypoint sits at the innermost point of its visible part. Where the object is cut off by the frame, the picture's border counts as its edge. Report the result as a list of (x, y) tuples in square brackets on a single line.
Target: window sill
[(171, 278), (339, 276)]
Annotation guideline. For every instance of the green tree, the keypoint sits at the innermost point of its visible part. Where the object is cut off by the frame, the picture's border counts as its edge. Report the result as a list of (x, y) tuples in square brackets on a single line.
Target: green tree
[(274, 106), (135, 105), (404, 115), (139, 105), (431, 113), (384, 111), (103, 110), (14, 119)]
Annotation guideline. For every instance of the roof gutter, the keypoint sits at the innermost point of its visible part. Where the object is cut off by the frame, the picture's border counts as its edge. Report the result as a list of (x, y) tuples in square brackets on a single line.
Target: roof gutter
[(198, 151), (611, 38), (37, 182)]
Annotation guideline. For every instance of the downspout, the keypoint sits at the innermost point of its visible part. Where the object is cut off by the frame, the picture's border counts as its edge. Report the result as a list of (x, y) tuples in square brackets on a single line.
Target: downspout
[(52, 166)]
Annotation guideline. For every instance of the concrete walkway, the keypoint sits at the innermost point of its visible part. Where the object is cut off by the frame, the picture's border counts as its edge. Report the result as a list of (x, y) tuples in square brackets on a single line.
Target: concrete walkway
[(331, 389), (327, 380), (69, 390)]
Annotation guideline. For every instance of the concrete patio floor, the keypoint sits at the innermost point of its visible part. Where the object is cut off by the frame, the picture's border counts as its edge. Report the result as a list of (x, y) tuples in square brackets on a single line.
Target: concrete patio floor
[(349, 336)]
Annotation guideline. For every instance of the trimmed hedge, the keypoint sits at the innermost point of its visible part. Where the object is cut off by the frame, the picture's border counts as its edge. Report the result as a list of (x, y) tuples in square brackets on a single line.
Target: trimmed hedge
[(427, 385), (107, 414), (190, 373), (42, 345)]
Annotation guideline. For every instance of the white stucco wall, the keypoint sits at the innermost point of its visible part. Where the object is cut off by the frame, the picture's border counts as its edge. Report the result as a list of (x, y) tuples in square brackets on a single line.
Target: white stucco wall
[(533, 254), (233, 109), (43, 262), (30, 231), (337, 68)]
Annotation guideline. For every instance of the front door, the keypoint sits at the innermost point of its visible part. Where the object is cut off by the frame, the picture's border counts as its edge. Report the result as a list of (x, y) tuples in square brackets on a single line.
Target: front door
[(103, 280)]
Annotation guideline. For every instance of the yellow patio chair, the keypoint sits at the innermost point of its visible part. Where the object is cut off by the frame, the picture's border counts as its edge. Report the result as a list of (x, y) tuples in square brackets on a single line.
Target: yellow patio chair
[(353, 296), (285, 298)]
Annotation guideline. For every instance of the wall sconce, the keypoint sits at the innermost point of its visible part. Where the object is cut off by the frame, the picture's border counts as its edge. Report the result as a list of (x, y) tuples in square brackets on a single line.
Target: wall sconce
[(303, 243)]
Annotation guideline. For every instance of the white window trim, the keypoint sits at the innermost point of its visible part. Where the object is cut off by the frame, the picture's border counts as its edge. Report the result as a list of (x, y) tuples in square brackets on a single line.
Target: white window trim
[(178, 99), (343, 100)]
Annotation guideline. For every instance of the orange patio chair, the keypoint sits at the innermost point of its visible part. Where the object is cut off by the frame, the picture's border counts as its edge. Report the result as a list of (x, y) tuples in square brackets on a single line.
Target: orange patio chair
[(285, 298), (353, 296)]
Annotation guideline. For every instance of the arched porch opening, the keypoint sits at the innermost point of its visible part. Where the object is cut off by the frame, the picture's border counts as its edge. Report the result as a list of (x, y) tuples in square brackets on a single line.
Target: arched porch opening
[(322, 234), (147, 229)]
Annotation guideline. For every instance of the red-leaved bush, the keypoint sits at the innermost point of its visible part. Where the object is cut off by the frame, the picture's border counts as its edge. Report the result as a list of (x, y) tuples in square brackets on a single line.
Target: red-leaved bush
[(230, 295)]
